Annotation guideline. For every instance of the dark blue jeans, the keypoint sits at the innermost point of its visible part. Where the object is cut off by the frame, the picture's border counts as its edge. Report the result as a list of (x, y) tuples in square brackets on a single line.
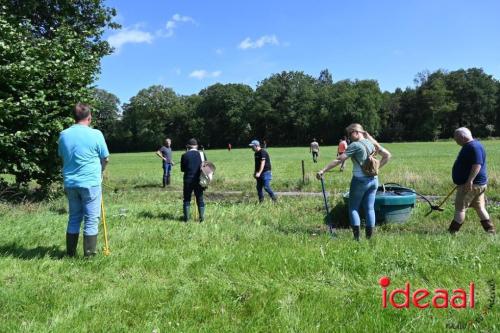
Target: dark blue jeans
[(315, 156), (264, 181), (167, 167)]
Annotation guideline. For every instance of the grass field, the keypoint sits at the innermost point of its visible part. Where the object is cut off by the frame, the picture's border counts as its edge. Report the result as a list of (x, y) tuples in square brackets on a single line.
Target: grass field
[(249, 267)]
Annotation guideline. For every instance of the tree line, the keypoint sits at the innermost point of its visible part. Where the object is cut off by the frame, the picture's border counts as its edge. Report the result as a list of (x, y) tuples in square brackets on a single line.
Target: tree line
[(50, 54), (290, 108)]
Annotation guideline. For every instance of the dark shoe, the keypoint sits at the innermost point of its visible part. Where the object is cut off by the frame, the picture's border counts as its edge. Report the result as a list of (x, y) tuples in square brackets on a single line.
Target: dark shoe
[(185, 210), (355, 232), (369, 232), (71, 243), (89, 245), (454, 227), (488, 226)]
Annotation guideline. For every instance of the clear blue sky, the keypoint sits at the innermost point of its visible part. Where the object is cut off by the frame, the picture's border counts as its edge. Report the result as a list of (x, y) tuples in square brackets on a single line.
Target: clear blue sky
[(188, 45)]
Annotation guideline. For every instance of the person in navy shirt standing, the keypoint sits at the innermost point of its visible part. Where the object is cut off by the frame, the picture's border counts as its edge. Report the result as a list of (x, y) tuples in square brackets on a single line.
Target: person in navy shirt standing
[(190, 165), (469, 174)]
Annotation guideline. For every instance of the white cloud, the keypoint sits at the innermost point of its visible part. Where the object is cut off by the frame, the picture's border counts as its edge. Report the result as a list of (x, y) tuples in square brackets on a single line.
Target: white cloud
[(201, 74), (173, 23), (247, 43), (129, 35)]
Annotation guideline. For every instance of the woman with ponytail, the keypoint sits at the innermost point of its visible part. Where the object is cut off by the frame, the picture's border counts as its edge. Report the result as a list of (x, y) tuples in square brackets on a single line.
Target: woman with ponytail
[(363, 186)]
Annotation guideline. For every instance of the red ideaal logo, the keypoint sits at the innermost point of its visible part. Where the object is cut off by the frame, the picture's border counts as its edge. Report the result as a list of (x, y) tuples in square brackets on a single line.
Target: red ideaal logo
[(417, 298)]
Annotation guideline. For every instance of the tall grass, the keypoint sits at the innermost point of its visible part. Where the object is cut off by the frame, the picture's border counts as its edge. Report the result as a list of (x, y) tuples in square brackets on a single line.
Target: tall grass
[(248, 267)]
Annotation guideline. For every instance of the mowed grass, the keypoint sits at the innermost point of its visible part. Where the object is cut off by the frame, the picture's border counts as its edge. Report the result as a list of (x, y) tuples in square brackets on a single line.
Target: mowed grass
[(249, 267), (426, 167)]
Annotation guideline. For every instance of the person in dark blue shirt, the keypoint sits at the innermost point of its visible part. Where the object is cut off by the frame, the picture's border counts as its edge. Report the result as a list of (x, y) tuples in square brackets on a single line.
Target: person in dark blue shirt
[(190, 165), (469, 174)]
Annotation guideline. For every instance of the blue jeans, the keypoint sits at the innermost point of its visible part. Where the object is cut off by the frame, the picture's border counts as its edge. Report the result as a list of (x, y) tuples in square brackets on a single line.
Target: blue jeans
[(84, 204), (362, 194), (264, 181), (167, 167)]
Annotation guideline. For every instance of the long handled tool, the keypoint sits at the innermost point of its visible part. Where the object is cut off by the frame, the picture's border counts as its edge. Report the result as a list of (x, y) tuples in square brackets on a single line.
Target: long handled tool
[(438, 207), (432, 207), (106, 250), (331, 227)]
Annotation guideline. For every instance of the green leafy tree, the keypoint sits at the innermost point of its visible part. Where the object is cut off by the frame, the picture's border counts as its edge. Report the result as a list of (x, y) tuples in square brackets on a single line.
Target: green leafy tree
[(106, 111), (225, 112), (292, 98), (436, 106), (325, 77), (475, 93), (392, 129), (149, 117), (497, 115), (49, 55)]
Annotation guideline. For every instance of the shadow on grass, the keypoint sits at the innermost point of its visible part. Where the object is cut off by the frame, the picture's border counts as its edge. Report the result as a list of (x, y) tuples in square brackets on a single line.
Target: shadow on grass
[(39, 252), (150, 185), (159, 216), (300, 229), (13, 194), (59, 210)]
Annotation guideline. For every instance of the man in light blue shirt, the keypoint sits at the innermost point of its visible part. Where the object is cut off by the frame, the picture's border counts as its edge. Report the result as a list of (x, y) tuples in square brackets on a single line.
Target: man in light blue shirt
[(85, 155)]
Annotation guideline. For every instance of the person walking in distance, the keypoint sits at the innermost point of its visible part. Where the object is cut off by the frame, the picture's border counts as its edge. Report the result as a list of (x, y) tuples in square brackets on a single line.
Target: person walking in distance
[(262, 173), (341, 149), (314, 150)]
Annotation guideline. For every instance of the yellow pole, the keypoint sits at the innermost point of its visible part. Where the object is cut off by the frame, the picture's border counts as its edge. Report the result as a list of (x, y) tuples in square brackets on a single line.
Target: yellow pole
[(449, 195), (106, 250)]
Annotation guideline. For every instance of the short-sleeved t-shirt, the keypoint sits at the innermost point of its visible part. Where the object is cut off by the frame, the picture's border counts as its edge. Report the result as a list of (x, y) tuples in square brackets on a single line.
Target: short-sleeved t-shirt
[(358, 154), (81, 149), (314, 146), (166, 153), (471, 153), (259, 156), (342, 147)]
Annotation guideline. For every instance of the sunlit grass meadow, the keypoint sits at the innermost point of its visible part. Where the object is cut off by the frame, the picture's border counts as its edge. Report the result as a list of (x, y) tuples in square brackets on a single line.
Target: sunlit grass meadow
[(248, 267)]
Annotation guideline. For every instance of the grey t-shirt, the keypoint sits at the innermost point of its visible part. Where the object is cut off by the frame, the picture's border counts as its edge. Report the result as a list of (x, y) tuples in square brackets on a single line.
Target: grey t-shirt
[(166, 153), (358, 154), (314, 146)]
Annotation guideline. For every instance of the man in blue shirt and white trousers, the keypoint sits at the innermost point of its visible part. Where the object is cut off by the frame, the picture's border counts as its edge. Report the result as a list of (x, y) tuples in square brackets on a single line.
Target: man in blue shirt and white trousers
[(85, 155), (469, 174)]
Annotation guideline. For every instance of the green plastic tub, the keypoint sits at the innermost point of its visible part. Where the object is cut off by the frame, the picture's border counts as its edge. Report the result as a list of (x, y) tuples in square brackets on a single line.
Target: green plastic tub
[(393, 204)]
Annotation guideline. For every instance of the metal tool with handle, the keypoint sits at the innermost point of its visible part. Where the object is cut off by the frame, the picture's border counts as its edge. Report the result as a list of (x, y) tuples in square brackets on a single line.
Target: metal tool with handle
[(331, 227)]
